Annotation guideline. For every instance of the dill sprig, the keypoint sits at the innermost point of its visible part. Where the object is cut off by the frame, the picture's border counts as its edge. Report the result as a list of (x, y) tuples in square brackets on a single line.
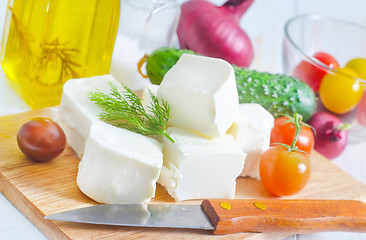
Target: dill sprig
[(24, 37), (124, 109), (55, 55)]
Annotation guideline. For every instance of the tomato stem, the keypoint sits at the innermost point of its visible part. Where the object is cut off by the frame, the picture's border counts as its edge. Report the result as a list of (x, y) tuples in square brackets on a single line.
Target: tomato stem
[(298, 124), (297, 121)]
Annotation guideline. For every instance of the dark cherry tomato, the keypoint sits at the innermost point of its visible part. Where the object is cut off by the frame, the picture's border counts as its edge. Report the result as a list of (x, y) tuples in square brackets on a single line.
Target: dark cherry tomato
[(313, 75), (284, 132), (41, 139)]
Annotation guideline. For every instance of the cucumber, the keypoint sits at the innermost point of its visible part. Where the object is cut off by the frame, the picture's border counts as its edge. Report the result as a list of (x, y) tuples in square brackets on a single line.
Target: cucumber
[(161, 60), (279, 94)]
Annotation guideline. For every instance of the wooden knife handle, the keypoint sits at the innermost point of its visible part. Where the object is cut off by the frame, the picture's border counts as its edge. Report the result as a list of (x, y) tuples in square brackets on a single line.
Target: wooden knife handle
[(285, 215)]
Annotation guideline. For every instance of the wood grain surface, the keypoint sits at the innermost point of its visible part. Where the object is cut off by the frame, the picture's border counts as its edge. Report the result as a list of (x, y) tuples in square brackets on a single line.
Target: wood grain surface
[(39, 189)]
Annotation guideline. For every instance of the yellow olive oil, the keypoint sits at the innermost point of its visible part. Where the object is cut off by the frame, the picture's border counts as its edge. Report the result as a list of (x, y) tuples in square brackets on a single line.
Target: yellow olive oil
[(47, 42)]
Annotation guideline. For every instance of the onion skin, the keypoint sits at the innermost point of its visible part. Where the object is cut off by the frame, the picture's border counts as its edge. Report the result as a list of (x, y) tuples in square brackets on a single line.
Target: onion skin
[(329, 140), (215, 31)]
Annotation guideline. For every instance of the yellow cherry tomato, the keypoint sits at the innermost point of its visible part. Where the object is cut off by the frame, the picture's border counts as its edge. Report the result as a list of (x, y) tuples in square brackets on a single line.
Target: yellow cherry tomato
[(359, 66), (340, 93)]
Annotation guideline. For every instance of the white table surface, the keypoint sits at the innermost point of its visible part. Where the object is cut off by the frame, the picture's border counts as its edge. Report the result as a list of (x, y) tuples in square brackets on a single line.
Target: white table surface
[(13, 225)]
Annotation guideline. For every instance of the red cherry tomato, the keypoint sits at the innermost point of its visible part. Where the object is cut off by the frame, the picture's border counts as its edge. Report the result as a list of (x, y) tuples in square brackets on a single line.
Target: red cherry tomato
[(41, 139), (311, 74), (285, 132), (284, 172)]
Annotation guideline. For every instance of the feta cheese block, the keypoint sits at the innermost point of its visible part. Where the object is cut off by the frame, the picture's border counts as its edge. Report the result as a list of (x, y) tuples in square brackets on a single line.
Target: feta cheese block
[(73, 137), (76, 112), (119, 166), (145, 96), (202, 95), (196, 167), (252, 131)]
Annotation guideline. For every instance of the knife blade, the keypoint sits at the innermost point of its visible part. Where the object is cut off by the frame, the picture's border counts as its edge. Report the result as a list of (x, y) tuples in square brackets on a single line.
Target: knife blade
[(225, 216), (144, 215)]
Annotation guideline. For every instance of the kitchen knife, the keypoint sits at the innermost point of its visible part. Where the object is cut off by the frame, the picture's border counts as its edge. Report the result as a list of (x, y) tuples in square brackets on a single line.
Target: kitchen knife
[(225, 216)]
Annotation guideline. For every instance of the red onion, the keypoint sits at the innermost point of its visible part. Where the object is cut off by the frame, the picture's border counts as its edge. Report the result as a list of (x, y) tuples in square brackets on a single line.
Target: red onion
[(215, 31), (331, 135)]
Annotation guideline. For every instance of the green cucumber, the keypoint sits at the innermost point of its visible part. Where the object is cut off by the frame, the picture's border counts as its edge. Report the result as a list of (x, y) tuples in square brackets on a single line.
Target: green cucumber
[(161, 60), (279, 94)]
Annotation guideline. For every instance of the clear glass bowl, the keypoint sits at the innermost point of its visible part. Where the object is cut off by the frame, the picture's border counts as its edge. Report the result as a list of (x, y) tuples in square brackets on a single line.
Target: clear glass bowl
[(306, 35)]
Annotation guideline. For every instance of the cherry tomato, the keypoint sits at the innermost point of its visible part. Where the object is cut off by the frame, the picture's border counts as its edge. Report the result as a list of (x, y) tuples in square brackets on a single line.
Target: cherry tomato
[(340, 93), (285, 132), (284, 172), (313, 75), (41, 139), (359, 66)]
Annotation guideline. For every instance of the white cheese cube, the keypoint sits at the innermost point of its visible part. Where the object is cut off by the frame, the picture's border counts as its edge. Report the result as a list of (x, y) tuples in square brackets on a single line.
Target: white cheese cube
[(76, 112), (196, 167), (119, 166), (145, 96), (252, 131), (73, 137), (202, 95)]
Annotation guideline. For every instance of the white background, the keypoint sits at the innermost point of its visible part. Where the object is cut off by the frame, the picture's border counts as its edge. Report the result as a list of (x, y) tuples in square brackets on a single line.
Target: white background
[(264, 24)]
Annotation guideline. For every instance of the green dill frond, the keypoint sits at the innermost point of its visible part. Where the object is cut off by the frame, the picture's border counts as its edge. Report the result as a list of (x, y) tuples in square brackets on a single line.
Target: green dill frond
[(124, 109)]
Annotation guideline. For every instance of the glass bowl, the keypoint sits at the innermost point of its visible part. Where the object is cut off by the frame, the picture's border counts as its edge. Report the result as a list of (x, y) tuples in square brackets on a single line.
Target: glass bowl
[(307, 38)]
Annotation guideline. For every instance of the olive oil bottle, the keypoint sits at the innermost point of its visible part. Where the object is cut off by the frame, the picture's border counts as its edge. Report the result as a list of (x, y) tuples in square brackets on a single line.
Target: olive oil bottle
[(47, 42)]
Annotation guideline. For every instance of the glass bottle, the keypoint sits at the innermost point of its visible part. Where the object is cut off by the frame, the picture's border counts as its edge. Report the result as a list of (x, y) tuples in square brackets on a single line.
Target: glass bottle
[(47, 42), (145, 25)]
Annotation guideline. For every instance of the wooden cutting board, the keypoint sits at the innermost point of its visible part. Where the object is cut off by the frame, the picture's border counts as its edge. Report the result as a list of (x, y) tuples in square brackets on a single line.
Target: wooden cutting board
[(39, 189)]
